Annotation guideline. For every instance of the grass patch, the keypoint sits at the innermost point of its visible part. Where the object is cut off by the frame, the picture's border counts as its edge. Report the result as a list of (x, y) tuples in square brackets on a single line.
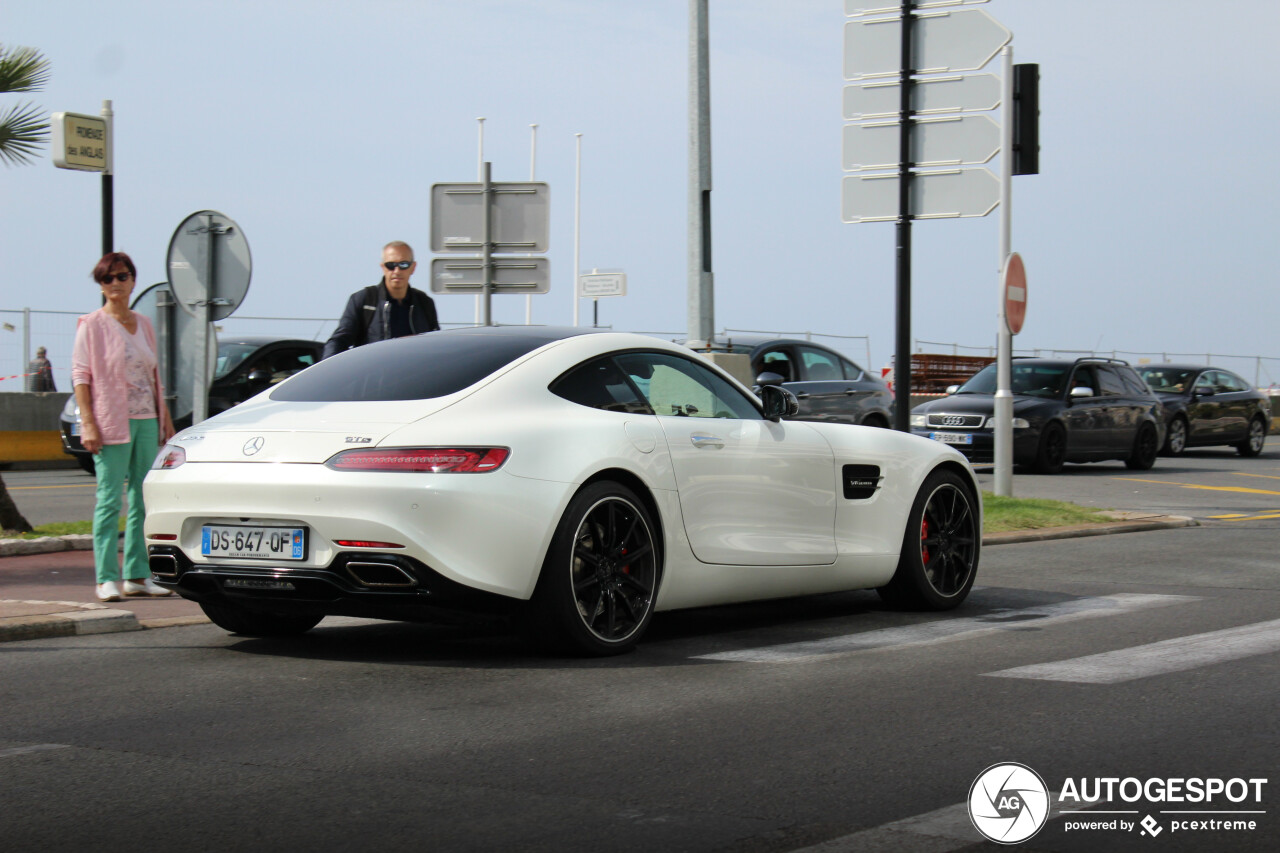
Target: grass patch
[(57, 528), (1005, 513)]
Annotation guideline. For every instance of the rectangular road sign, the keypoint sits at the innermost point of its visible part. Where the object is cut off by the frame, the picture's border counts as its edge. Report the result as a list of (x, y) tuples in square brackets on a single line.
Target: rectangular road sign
[(79, 142), (520, 219), (949, 141), (510, 275), (962, 40), (597, 285), (934, 195), (960, 94)]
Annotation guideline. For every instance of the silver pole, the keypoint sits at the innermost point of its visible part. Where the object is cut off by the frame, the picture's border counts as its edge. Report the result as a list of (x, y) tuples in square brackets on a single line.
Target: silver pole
[(480, 177), (577, 226), (1004, 340), (701, 290), (533, 170)]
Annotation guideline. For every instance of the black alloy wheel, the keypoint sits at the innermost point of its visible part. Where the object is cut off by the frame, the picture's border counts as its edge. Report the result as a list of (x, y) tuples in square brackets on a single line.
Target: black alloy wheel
[(253, 623), (1146, 448), (1176, 441), (940, 548), (1051, 455), (598, 584), (1252, 446)]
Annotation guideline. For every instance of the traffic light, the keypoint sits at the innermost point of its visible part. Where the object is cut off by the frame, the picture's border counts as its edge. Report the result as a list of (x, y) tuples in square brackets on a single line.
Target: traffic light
[(1026, 119)]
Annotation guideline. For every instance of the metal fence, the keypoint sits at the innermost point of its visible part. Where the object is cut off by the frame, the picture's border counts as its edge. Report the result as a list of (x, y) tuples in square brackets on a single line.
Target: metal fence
[(23, 330)]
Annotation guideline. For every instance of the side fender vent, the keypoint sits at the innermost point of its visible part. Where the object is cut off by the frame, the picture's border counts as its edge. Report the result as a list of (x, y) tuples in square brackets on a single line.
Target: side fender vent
[(860, 481)]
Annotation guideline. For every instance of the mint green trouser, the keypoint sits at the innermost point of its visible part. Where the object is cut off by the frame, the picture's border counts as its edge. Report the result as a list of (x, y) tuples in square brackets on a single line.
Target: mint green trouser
[(118, 464)]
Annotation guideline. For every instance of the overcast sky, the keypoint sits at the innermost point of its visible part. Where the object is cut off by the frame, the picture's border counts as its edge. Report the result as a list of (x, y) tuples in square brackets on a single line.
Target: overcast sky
[(319, 127)]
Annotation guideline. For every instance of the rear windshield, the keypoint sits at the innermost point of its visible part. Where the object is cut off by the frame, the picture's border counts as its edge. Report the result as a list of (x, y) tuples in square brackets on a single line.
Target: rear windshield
[(421, 367)]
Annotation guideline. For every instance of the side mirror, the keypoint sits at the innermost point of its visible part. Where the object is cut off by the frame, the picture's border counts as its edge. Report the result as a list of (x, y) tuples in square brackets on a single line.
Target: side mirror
[(1082, 391), (951, 389), (779, 403), (769, 378), (1204, 391), (259, 378)]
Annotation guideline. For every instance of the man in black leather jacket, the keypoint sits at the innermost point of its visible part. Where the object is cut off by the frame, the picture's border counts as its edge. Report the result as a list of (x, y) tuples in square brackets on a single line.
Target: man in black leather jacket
[(388, 309)]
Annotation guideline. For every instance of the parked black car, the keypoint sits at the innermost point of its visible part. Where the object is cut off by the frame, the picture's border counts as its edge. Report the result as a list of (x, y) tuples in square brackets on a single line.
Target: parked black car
[(245, 365), (828, 385), (1085, 410), (1207, 406)]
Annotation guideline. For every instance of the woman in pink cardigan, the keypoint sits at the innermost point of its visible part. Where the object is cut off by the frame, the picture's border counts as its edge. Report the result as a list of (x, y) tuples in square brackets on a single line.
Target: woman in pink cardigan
[(123, 422)]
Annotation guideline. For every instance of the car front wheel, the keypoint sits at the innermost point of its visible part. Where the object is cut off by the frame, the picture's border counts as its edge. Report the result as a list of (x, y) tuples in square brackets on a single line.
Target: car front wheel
[(1252, 445), (1051, 455), (940, 548), (252, 623), (1176, 441), (596, 592), (1145, 449)]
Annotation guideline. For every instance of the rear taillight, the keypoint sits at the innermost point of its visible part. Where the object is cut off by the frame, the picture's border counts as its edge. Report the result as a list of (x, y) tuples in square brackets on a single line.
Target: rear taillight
[(434, 460), (170, 456)]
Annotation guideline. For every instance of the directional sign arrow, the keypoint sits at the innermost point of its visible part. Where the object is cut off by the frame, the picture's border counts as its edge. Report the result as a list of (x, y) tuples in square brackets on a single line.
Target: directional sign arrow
[(963, 40), (970, 93), (934, 195), (951, 141)]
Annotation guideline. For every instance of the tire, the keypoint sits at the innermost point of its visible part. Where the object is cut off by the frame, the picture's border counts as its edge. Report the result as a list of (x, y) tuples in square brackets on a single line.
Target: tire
[(1252, 446), (599, 581), (1176, 441), (1051, 455), (940, 547), (1146, 448), (876, 421), (253, 623)]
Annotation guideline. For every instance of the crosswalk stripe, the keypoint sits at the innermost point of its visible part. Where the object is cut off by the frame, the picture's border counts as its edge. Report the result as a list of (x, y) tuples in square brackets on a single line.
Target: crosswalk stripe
[(1176, 655), (953, 628)]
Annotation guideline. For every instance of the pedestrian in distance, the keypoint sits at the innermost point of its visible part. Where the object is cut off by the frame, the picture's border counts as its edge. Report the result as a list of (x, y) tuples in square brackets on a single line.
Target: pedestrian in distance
[(123, 420), (40, 373), (389, 309)]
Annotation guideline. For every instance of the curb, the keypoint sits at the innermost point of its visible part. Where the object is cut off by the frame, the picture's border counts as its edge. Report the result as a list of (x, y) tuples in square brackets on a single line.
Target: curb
[(46, 545), (1126, 522), (36, 620)]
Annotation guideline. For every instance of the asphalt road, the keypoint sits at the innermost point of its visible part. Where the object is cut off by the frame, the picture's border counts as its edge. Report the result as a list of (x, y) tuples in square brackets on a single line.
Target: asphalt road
[(821, 724)]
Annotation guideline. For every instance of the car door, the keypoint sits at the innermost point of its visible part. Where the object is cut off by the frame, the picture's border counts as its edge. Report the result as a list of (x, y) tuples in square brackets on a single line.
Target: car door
[(830, 394), (752, 492), (1123, 413), (1086, 417), (1235, 405), (1204, 410)]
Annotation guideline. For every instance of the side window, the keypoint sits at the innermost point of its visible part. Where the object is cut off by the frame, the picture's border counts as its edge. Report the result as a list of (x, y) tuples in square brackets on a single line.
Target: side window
[(1084, 378), (1205, 381), (851, 370), (1109, 382), (682, 387), (1133, 383), (819, 365), (1227, 382), (284, 363), (600, 384), (778, 361)]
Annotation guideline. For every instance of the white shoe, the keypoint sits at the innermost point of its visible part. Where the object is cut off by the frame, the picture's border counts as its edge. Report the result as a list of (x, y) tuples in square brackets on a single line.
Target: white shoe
[(108, 591), (147, 587)]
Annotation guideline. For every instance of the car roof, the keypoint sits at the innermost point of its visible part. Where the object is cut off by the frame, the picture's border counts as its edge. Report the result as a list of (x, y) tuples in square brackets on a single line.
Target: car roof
[(1175, 366), (263, 340)]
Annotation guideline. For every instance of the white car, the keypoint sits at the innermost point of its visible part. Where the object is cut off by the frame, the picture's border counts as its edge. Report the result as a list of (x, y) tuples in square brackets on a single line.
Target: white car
[(581, 479)]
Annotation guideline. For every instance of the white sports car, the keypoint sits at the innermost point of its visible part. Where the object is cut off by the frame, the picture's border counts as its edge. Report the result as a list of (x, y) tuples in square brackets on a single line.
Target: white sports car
[(581, 479)]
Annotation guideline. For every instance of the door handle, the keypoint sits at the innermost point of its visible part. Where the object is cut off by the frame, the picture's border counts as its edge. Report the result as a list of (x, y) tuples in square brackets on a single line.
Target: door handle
[(702, 440)]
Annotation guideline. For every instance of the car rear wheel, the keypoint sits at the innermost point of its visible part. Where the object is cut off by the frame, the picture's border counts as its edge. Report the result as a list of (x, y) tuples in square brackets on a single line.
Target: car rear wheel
[(1051, 455), (940, 548), (1145, 449), (596, 592), (1176, 441), (253, 623), (1252, 445)]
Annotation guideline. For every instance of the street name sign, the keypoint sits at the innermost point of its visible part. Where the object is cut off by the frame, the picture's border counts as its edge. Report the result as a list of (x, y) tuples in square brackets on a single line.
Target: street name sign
[(947, 194), (950, 141), (598, 285), (962, 40), (959, 94), (79, 142), (509, 275)]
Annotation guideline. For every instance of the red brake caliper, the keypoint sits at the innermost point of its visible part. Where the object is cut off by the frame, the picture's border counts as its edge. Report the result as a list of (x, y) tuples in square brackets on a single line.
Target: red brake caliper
[(924, 534)]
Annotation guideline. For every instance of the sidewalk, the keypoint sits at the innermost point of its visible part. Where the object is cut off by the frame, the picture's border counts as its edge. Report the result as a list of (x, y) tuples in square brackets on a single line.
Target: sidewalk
[(47, 585)]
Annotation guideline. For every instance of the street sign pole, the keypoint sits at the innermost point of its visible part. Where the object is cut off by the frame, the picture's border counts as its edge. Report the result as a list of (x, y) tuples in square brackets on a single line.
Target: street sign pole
[(1004, 338), (488, 246), (108, 188), (902, 348)]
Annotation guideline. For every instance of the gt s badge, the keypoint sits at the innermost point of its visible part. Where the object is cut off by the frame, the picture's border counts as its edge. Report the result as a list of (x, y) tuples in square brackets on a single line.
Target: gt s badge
[(358, 439)]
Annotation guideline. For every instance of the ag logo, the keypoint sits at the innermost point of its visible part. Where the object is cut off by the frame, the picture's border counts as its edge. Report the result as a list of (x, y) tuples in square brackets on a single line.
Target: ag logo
[(1008, 803)]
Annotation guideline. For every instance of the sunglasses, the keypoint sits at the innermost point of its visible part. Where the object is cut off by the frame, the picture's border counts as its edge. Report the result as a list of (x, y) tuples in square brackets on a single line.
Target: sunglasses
[(120, 276), (404, 265)]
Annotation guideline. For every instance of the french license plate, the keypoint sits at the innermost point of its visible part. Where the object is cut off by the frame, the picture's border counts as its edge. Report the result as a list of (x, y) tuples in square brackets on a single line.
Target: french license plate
[(75, 428), (952, 437), (253, 543)]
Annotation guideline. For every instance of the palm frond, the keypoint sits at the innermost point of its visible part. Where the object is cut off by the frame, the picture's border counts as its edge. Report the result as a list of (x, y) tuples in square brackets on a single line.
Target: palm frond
[(23, 129), (22, 69)]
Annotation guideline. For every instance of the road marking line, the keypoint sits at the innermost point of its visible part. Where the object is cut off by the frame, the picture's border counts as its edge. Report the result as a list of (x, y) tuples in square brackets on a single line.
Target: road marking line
[(1167, 656), (72, 486), (951, 629), (951, 823), (1205, 488), (1262, 476), (35, 747)]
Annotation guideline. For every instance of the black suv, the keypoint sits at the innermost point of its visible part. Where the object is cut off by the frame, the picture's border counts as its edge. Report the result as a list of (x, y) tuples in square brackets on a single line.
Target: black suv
[(1084, 410)]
